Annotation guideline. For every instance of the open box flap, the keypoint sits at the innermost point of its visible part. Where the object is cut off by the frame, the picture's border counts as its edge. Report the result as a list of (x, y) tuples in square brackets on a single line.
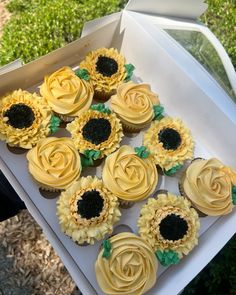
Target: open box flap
[(181, 8)]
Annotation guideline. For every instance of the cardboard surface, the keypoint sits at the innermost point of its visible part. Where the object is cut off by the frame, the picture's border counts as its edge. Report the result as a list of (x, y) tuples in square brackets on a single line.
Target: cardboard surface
[(158, 64)]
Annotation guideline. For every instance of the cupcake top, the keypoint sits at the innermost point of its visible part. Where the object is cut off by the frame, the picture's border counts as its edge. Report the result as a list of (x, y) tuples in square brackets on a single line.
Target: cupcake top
[(129, 267), (170, 226), (106, 68), (211, 186), (96, 130), (170, 142), (54, 162), (25, 118), (129, 176), (66, 93), (87, 210), (134, 104)]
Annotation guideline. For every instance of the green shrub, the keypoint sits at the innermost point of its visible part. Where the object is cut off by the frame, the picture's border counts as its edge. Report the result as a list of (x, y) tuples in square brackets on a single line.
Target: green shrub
[(219, 276), (220, 17), (40, 26)]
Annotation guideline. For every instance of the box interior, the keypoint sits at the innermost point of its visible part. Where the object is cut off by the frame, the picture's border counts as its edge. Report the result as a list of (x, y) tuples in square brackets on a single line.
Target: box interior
[(179, 94)]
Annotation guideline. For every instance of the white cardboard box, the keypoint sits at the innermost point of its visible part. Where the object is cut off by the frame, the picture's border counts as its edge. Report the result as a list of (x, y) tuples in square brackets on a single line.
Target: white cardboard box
[(185, 89)]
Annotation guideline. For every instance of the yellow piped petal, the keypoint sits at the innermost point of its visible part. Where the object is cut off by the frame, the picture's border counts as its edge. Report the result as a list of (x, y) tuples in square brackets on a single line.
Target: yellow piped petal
[(155, 210), (99, 81), (80, 229), (165, 158), (106, 147), (25, 137)]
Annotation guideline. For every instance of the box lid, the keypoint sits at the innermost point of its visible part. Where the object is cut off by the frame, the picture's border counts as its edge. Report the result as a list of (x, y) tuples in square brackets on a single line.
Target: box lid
[(181, 8)]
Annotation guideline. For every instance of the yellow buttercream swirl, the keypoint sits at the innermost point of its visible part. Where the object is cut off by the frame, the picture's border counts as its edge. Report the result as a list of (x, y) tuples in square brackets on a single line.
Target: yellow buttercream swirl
[(80, 229), (66, 93), (40, 128), (133, 103), (208, 184), (130, 270), (106, 147), (156, 210), (99, 81), (168, 158), (54, 162), (128, 176)]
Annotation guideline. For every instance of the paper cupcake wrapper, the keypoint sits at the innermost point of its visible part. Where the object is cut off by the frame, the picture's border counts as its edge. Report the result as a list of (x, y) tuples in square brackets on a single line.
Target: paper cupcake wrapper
[(102, 96), (16, 150), (125, 204)]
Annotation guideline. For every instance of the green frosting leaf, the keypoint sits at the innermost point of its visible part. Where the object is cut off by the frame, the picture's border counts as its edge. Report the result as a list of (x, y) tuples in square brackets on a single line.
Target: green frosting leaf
[(158, 112), (167, 257), (100, 107), (106, 249), (129, 71), (173, 170), (234, 194), (89, 156), (142, 152), (82, 74), (54, 123)]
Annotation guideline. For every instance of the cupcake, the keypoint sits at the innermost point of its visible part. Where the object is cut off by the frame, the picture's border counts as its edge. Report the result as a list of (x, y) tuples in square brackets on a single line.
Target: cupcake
[(54, 163), (96, 133), (67, 94), (130, 175), (107, 70), (170, 143), (210, 186), (170, 226), (126, 265), (25, 118), (135, 105), (87, 210)]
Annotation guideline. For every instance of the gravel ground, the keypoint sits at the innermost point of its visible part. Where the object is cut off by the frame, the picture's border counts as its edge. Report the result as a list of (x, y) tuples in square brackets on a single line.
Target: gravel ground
[(28, 263)]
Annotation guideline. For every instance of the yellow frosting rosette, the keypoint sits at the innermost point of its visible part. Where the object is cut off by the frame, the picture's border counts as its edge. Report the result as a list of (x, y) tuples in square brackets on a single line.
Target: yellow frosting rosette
[(24, 119), (66, 93), (54, 163), (170, 143), (170, 226), (133, 103), (129, 176), (87, 210), (210, 186), (107, 70), (130, 267), (98, 130)]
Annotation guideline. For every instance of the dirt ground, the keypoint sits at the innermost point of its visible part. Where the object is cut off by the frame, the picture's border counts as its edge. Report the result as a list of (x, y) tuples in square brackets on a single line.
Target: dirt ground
[(4, 14)]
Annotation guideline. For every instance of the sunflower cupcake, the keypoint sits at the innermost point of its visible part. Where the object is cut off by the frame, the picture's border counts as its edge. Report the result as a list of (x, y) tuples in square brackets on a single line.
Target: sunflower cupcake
[(87, 210), (210, 186), (54, 163), (170, 143), (107, 69), (130, 174), (126, 265), (25, 118), (67, 94), (96, 133), (170, 226), (136, 106)]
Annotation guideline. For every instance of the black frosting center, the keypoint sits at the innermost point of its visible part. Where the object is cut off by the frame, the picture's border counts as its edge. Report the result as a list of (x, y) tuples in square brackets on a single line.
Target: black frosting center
[(20, 116), (170, 138), (91, 204), (97, 130), (173, 227), (106, 66)]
